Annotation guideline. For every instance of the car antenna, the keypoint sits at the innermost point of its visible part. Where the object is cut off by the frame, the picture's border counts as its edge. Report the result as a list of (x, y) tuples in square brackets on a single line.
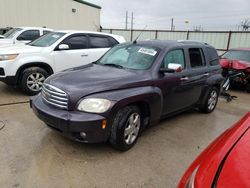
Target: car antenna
[(135, 41)]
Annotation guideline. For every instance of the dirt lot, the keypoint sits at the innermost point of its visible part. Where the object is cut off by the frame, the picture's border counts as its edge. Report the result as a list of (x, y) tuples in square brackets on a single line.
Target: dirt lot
[(34, 156)]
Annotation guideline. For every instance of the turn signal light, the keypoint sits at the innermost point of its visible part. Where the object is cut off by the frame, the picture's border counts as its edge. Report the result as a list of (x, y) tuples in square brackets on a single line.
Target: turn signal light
[(104, 124)]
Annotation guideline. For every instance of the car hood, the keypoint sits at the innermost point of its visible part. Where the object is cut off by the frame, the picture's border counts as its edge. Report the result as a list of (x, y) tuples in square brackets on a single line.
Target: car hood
[(4, 41), (19, 48), (89, 79), (234, 64), (235, 171), (206, 166)]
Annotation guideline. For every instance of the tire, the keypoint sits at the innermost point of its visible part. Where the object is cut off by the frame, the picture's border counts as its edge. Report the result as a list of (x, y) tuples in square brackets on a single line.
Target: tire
[(211, 101), (32, 80), (248, 88), (126, 128)]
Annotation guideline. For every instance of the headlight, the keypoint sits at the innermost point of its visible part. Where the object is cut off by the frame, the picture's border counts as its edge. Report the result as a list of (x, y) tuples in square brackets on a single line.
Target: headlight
[(94, 105), (8, 57)]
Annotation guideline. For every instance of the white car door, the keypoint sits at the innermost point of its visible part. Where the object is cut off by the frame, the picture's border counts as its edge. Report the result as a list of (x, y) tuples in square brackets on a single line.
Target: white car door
[(75, 55)]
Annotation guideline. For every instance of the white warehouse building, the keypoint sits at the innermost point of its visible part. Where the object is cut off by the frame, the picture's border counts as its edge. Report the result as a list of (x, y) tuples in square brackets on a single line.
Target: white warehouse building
[(55, 14)]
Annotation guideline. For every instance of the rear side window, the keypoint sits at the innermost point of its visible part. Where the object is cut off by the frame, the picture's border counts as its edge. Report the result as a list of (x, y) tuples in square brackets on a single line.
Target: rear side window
[(99, 42), (29, 35), (196, 57), (45, 32), (112, 41), (76, 42), (213, 57), (175, 56)]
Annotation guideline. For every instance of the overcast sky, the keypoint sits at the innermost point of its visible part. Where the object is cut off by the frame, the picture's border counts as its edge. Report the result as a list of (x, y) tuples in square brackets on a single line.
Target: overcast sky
[(157, 14)]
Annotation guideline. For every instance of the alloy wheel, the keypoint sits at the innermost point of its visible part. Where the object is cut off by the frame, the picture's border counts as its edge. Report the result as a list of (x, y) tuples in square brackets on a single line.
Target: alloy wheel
[(35, 81), (212, 100), (132, 128)]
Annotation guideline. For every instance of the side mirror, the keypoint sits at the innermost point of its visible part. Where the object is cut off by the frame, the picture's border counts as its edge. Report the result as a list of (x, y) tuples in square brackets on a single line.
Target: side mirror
[(20, 38), (166, 70), (63, 47), (176, 67)]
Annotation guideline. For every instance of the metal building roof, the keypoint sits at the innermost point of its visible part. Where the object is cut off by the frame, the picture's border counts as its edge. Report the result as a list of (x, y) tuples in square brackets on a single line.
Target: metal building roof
[(89, 4)]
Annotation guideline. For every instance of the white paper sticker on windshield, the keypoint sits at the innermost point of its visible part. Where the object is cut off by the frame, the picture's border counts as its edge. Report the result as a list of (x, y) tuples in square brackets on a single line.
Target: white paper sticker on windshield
[(148, 51), (55, 36)]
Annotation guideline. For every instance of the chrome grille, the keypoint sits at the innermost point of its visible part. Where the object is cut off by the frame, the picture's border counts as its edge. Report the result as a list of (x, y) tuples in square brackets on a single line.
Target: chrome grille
[(54, 96)]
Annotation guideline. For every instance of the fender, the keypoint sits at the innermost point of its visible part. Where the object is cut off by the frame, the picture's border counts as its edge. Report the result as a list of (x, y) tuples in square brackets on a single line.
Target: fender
[(46, 66), (152, 96), (216, 81)]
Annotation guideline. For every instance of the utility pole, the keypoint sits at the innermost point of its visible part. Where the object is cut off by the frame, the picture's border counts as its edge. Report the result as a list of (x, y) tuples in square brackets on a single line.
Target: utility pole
[(172, 24), (132, 21), (126, 26), (132, 26)]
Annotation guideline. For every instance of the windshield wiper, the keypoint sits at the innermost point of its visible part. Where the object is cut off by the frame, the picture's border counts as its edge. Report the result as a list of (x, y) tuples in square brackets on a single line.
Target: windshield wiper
[(114, 65)]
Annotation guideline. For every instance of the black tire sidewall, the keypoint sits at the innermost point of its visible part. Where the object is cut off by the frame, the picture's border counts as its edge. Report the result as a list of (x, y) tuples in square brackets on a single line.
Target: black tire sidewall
[(117, 133), (26, 73)]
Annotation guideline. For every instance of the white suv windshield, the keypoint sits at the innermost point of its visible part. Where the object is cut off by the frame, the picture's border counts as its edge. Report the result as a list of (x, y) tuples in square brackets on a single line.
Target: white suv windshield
[(47, 40), (11, 33)]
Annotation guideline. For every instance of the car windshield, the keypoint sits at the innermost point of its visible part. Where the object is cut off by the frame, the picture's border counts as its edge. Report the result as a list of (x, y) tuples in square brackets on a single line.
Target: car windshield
[(47, 40), (11, 33), (130, 56), (237, 54)]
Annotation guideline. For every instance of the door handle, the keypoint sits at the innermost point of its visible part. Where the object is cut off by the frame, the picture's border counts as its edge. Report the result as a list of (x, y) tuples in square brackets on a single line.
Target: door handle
[(84, 55), (184, 78), (206, 74)]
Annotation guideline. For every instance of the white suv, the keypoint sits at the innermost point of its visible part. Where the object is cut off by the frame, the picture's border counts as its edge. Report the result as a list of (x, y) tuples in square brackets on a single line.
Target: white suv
[(29, 65), (22, 35)]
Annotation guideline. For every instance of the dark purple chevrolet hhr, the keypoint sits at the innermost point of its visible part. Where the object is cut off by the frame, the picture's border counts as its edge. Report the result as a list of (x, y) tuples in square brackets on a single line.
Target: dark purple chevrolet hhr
[(131, 87)]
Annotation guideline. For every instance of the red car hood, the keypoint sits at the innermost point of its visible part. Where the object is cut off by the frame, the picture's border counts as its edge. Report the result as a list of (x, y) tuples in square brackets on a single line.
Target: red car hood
[(228, 147), (234, 64), (236, 169)]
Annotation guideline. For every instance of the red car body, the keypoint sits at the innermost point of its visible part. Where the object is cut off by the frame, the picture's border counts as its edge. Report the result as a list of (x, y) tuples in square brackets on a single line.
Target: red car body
[(225, 162), (236, 66), (234, 62)]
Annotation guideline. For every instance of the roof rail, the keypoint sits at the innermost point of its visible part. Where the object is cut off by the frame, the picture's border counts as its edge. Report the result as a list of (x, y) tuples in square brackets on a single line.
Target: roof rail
[(192, 41)]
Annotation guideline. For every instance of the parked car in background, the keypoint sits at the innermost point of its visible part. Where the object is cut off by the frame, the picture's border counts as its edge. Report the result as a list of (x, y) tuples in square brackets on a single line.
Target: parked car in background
[(236, 65), (132, 86), (22, 35), (27, 66), (3, 31), (225, 162)]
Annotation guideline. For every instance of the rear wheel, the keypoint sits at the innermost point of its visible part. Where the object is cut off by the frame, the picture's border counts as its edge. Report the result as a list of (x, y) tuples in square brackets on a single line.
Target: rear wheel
[(126, 128), (32, 80), (211, 101)]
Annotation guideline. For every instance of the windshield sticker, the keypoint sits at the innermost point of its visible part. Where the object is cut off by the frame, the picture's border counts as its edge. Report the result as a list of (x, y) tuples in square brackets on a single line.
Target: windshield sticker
[(148, 51), (55, 36)]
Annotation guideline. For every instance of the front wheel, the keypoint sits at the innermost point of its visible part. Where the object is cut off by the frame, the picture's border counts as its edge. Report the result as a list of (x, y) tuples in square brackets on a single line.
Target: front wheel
[(126, 128), (32, 80), (211, 101)]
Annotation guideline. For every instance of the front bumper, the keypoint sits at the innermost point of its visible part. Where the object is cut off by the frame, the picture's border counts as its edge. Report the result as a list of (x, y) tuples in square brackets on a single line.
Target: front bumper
[(8, 70), (9, 80), (71, 123)]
